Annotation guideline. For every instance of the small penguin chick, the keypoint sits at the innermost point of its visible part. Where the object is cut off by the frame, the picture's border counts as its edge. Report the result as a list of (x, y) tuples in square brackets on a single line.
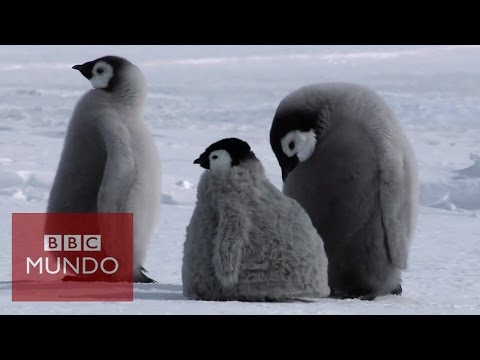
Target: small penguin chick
[(247, 241)]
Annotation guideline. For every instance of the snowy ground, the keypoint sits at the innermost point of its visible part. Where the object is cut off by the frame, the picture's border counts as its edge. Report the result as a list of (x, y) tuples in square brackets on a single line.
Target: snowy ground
[(201, 94)]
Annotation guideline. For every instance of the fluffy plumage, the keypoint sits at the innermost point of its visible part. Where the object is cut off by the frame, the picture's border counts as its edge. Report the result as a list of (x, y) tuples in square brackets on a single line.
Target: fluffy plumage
[(110, 163), (359, 186), (247, 241)]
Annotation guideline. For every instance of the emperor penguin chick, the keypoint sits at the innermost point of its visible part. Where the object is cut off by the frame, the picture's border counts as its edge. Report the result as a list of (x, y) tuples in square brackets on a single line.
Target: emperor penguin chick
[(110, 163), (345, 158), (247, 241)]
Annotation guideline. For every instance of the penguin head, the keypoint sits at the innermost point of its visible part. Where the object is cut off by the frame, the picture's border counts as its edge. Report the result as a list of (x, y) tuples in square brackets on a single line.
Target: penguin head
[(225, 154), (109, 72), (295, 134)]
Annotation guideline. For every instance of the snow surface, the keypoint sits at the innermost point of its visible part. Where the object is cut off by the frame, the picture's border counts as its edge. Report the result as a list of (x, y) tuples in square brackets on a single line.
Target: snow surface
[(200, 94)]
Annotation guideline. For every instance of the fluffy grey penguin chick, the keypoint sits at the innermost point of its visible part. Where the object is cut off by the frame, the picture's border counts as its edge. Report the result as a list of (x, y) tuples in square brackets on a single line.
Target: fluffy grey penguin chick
[(346, 160), (247, 241), (110, 163)]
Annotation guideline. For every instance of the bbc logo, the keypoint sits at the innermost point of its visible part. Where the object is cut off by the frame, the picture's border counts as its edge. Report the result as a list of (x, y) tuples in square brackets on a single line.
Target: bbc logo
[(52, 243)]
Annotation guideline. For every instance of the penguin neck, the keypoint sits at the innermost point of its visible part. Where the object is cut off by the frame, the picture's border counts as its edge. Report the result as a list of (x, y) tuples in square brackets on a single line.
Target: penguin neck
[(251, 168), (130, 95), (130, 89), (254, 167)]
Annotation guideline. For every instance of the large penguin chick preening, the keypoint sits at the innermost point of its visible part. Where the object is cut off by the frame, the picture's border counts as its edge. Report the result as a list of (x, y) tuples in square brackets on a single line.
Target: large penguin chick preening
[(346, 160), (247, 241), (110, 163)]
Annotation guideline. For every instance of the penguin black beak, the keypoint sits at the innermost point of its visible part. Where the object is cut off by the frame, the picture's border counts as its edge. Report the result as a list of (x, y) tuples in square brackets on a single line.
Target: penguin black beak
[(85, 69), (288, 167), (203, 161)]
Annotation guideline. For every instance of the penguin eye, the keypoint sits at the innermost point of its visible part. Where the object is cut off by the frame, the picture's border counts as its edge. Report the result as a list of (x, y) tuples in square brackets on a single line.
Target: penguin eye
[(100, 71), (299, 143), (214, 157)]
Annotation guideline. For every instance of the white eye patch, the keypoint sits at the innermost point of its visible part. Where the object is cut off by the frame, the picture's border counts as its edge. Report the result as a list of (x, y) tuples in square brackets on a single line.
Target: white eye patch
[(300, 143), (102, 73), (220, 160)]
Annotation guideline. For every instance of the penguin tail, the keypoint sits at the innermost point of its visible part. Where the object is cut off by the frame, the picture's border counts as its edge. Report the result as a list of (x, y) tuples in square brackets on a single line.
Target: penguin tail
[(141, 277)]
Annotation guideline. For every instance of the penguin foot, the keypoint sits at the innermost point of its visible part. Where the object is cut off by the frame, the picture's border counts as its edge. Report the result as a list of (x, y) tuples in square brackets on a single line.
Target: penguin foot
[(368, 297), (141, 277), (70, 278), (77, 278), (398, 291), (364, 295)]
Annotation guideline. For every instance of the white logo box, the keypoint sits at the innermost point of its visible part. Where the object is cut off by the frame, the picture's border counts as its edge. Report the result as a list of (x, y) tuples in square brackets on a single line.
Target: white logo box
[(52, 243)]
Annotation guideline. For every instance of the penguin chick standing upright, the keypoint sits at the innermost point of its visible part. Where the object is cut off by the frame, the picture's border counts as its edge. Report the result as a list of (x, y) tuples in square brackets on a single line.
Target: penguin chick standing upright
[(110, 163), (247, 241), (346, 160)]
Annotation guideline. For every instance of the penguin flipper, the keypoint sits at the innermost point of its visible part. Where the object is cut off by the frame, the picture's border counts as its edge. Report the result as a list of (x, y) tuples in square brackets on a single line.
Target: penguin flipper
[(232, 235), (393, 197), (119, 170)]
